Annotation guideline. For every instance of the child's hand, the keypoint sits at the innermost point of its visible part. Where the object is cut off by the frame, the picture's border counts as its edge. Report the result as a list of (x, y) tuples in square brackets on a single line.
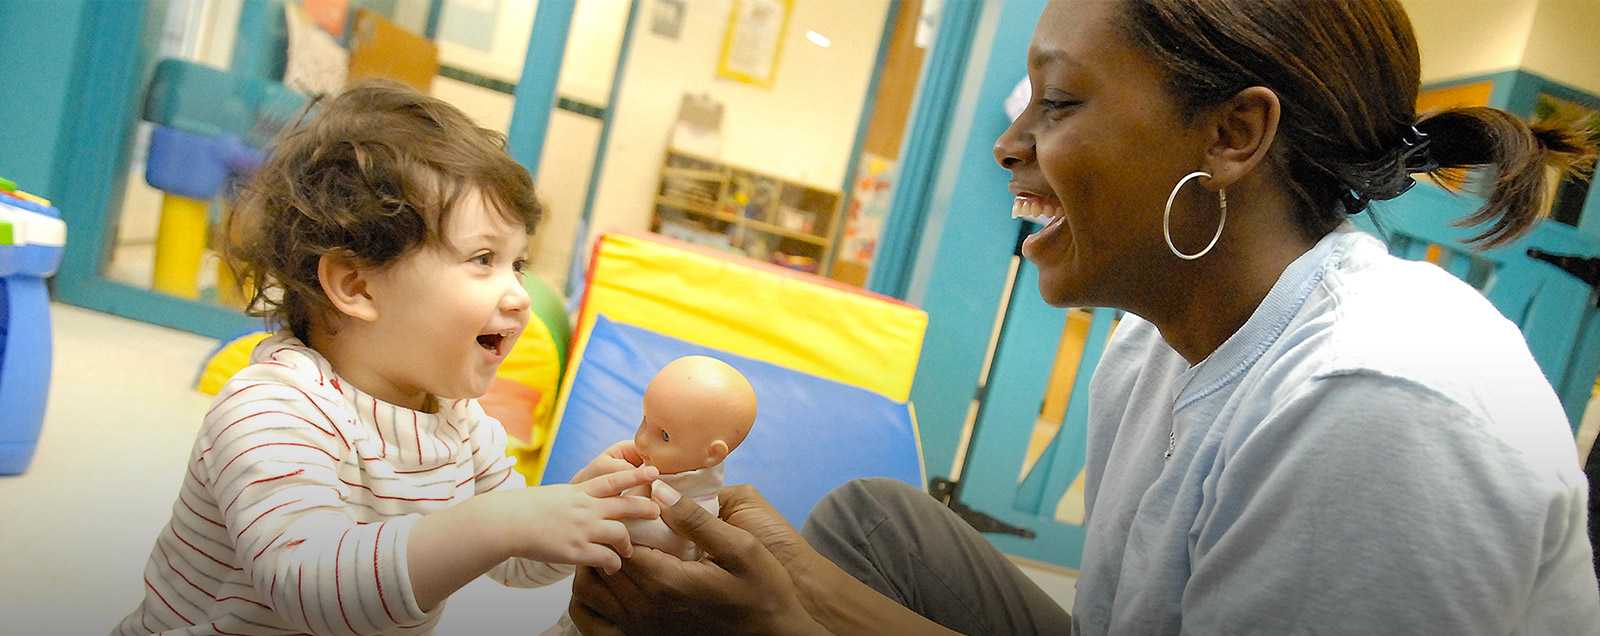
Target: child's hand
[(579, 524), (621, 456)]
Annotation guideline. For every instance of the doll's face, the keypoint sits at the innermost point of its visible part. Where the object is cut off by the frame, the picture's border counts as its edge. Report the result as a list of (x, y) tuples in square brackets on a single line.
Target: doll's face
[(696, 411)]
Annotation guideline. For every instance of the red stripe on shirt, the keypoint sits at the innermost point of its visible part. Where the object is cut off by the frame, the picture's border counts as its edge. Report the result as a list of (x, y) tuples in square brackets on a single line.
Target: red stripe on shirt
[(174, 569), (219, 630), (164, 601), (264, 549), (250, 601), (218, 436), (447, 464), (197, 514), (203, 552), (481, 473), (269, 511), (256, 482), (318, 407), (375, 494), (338, 591), (384, 452), (235, 394), (503, 479), (376, 576), (300, 590), (260, 446)]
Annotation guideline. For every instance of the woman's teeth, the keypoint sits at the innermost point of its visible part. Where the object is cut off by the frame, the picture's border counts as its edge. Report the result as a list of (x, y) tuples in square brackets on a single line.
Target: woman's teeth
[(1034, 210)]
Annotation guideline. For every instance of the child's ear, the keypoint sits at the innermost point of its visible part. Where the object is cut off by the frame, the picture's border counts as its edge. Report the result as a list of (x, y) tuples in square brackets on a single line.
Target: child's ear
[(718, 452), (345, 285)]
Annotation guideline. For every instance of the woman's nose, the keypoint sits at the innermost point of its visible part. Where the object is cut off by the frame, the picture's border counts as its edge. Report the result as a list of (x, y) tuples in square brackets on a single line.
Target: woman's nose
[(1014, 147)]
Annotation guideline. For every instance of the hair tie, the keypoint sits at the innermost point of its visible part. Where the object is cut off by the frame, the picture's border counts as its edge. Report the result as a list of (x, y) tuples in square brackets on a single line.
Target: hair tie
[(1414, 153), (1390, 177)]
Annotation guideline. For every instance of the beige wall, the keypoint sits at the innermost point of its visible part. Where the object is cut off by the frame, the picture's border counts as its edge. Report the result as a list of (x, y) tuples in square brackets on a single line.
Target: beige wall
[(801, 128), (1461, 38), (1559, 39), (1565, 43)]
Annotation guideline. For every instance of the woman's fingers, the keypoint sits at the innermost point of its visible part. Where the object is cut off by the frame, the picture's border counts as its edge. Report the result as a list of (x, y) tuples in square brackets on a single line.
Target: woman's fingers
[(613, 484), (594, 606), (728, 545), (652, 573), (590, 623)]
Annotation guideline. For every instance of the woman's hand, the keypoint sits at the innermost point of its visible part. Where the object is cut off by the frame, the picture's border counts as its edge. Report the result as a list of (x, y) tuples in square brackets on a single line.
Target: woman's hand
[(574, 523), (741, 586), (621, 456)]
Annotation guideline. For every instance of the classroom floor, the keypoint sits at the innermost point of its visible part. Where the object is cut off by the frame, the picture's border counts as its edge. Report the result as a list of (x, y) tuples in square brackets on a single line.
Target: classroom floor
[(79, 524)]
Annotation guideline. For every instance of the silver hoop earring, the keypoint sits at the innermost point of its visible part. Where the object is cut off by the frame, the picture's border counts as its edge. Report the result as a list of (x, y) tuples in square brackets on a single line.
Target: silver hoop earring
[(1166, 217)]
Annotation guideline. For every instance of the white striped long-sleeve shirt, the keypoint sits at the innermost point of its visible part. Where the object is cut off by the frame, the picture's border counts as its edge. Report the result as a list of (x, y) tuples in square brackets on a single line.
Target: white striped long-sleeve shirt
[(298, 501)]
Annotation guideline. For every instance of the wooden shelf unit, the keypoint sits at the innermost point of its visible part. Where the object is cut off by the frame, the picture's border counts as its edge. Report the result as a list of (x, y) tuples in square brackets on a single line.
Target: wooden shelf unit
[(747, 211)]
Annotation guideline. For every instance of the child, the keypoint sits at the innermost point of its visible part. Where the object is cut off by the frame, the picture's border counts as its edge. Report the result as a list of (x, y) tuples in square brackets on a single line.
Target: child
[(347, 482)]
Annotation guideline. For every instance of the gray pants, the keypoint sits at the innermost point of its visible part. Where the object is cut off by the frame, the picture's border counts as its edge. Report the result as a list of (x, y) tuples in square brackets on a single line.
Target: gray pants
[(914, 550)]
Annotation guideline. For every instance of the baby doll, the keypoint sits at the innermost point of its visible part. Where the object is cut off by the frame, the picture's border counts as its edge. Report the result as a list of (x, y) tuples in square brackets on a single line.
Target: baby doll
[(697, 410)]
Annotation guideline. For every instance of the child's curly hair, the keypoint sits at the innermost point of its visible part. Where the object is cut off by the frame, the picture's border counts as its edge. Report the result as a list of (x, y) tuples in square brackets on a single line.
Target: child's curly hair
[(373, 173)]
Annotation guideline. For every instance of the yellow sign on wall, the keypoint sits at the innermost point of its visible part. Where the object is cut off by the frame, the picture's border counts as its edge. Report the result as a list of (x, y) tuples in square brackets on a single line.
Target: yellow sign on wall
[(754, 41)]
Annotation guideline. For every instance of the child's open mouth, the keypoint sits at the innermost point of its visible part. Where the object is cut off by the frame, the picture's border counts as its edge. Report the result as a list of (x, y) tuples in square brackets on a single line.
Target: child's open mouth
[(495, 343)]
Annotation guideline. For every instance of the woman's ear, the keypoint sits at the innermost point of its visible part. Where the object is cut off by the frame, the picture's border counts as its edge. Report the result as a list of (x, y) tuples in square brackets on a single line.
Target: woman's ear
[(1245, 127), (346, 286)]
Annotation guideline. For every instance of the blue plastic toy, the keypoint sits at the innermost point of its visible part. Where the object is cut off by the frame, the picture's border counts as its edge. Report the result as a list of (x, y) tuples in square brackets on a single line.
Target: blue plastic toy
[(31, 240), (211, 125)]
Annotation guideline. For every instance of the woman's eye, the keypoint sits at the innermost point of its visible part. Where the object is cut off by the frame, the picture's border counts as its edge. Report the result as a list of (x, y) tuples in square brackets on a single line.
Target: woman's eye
[(485, 259), (1056, 104), (520, 266)]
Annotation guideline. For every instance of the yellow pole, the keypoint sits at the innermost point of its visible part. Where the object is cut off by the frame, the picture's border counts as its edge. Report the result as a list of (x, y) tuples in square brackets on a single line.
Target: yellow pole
[(180, 244)]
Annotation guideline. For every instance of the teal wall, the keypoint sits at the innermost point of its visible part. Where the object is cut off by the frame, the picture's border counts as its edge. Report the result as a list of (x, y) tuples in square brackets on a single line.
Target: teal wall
[(37, 51)]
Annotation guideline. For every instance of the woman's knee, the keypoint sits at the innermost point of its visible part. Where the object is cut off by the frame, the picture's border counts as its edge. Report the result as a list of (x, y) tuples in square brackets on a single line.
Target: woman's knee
[(878, 493), (862, 504)]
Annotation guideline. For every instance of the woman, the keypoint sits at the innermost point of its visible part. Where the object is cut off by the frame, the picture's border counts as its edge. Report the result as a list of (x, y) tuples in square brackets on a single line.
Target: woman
[(1291, 432)]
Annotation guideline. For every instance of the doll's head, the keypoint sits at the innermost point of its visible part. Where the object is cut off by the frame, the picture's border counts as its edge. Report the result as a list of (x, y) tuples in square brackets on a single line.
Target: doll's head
[(696, 411)]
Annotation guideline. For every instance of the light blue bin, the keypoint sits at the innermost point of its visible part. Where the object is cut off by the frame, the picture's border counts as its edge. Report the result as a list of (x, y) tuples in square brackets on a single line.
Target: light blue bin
[(32, 238)]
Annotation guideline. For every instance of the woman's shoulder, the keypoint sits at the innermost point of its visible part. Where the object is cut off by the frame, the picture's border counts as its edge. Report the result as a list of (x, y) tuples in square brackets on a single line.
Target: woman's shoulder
[(1413, 320), (1406, 334)]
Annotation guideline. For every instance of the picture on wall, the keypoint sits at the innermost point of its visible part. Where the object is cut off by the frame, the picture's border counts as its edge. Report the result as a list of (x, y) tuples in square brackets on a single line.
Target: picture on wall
[(754, 40)]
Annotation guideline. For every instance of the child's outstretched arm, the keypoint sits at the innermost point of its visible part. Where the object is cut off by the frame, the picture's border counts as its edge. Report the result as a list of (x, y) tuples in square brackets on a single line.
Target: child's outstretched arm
[(562, 524)]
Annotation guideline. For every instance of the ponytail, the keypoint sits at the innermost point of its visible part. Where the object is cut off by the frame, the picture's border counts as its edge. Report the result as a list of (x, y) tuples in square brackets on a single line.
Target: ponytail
[(1521, 155)]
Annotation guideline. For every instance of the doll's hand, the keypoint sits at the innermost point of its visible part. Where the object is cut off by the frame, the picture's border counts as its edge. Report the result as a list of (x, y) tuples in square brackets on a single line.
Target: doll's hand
[(575, 523), (621, 456)]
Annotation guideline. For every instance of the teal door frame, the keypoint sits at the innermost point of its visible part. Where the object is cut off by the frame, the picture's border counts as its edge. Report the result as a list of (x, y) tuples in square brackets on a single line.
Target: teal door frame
[(111, 52), (957, 243), (942, 91)]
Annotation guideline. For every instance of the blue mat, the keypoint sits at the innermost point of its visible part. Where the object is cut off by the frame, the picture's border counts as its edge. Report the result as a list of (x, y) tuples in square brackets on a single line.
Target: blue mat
[(811, 435)]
